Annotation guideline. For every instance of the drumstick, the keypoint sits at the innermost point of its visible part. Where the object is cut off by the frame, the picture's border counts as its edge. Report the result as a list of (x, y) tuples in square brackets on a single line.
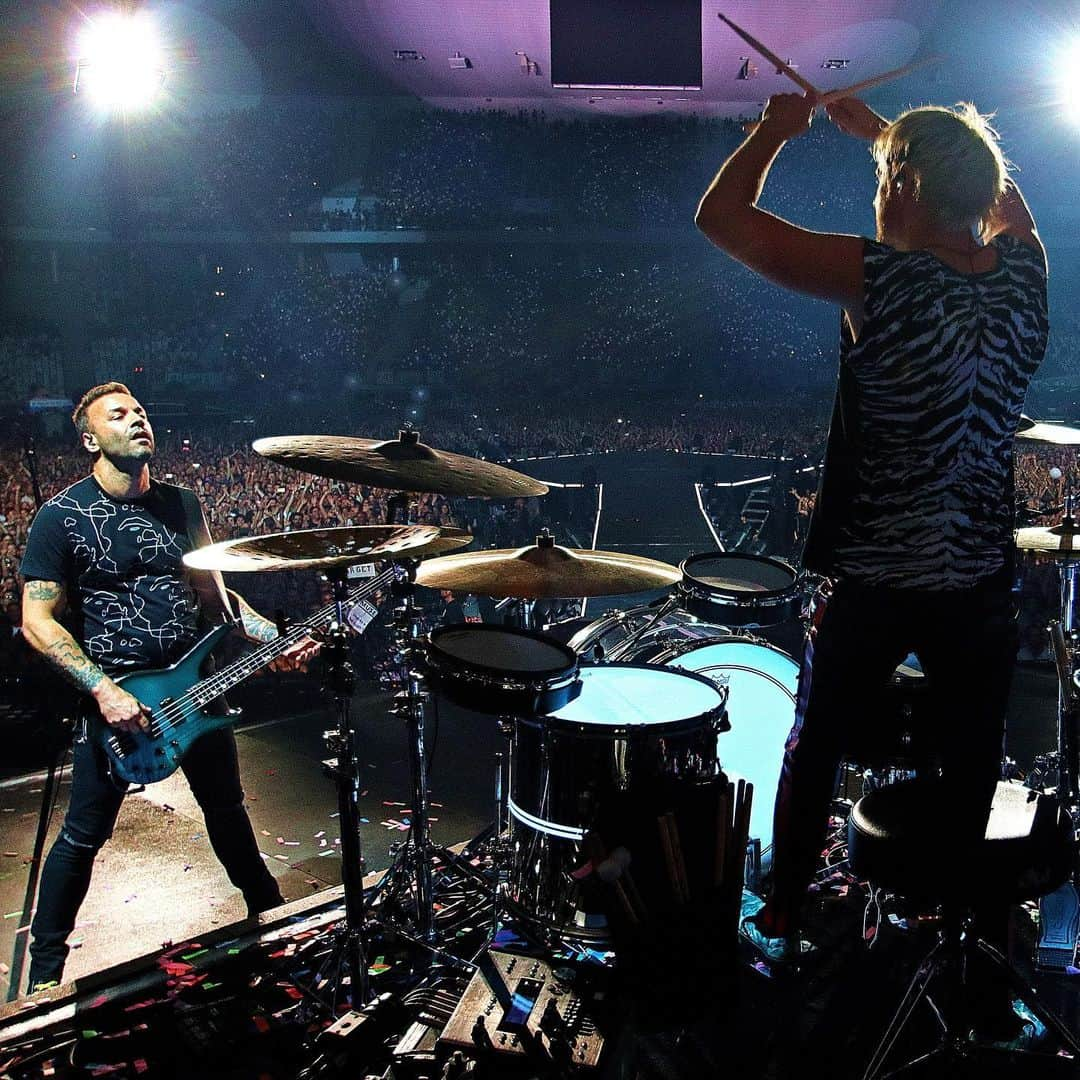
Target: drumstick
[(769, 55), (742, 829), (635, 896), (672, 856), (680, 863), (723, 826), (875, 80), (628, 907)]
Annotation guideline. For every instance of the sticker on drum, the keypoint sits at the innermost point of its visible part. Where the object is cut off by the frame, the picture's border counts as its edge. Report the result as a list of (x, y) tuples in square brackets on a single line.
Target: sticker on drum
[(762, 686), (734, 589), (501, 670)]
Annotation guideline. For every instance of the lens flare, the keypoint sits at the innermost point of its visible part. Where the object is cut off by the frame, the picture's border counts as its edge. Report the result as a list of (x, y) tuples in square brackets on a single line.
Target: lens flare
[(121, 64)]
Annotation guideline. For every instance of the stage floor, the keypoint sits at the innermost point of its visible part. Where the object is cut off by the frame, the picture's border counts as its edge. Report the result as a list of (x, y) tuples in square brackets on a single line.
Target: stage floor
[(157, 879)]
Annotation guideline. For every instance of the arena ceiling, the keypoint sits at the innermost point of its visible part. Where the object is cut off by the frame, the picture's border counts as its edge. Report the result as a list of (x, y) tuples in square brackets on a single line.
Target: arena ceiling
[(465, 54)]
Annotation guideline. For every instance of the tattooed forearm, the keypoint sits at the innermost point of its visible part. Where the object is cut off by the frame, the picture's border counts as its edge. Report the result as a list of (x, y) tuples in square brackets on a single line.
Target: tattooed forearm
[(254, 626), (65, 655)]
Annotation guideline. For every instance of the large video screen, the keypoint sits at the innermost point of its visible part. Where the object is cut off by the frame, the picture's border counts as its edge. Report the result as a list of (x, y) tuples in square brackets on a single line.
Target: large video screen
[(626, 44)]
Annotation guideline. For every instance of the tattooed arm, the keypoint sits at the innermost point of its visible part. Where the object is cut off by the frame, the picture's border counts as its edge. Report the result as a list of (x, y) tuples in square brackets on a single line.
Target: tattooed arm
[(43, 604), (252, 625), (255, 628)]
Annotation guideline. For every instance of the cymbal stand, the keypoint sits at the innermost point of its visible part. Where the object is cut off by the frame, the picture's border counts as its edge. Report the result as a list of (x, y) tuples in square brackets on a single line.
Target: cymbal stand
[(416, 854), (1059, 912), (348, 956), (1064, 640)]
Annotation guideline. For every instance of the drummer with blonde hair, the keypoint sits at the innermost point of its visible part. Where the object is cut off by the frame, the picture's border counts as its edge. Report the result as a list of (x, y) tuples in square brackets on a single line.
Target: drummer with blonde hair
[(944, 322)]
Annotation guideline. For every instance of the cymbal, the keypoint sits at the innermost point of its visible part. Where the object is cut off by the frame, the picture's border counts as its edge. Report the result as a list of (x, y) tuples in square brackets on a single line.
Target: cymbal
[(403, 464), (544, 570), (321, 549), (1061, 541), (1048, 431)]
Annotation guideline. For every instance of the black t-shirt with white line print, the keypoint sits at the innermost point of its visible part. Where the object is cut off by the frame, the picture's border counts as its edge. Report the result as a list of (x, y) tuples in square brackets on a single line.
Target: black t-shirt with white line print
[(131, 604)]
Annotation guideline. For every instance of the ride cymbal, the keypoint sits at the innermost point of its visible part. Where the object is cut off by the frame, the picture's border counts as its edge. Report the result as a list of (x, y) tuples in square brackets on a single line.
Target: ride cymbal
[(1048, 431), (402, 464), (321, 549), (544, 570), (1060, 541)]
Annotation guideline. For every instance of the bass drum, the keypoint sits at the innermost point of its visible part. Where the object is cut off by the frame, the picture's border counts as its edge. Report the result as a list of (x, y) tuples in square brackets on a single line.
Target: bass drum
[(762, 683)]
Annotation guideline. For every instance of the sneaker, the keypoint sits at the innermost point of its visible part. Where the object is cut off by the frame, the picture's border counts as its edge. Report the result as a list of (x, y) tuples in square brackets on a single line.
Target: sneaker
[(38, 987), (1032, 1033), (777, 951)]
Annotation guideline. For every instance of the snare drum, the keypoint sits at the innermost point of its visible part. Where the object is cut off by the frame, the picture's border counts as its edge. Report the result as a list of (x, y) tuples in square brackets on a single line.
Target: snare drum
[(608, 763), (731, 589), (500, 669)]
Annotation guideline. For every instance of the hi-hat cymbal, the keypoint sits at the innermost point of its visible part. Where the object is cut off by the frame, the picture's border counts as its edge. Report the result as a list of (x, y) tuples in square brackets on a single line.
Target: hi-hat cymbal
[(1048, 431), (322, 549), (403, 464), (1060, 541), (546, 570)]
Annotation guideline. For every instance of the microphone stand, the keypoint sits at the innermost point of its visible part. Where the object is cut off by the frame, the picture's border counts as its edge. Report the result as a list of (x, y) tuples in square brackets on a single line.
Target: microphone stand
[(49, 787)]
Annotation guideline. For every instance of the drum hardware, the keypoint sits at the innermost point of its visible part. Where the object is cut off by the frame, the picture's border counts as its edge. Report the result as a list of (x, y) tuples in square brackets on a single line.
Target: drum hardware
[(414, 856), (625, 647), (1059, 912), (348, 953)]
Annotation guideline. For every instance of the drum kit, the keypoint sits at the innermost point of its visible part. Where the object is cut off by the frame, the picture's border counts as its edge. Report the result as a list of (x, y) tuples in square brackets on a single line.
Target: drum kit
[(653, 719), (611, 731)]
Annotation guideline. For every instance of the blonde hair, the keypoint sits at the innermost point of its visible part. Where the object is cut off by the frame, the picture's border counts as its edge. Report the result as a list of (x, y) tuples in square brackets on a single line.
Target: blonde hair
[(953, 157)]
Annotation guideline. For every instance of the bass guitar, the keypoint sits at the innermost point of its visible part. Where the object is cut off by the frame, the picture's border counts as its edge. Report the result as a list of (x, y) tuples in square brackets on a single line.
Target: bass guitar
[(178, 698)]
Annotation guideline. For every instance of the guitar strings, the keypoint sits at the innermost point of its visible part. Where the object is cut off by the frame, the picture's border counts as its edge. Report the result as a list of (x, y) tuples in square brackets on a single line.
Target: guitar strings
[(182, 707)]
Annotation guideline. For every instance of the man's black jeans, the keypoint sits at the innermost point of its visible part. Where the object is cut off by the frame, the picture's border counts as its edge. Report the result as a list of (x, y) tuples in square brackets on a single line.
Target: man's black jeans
[(966, 642), (213, 774)]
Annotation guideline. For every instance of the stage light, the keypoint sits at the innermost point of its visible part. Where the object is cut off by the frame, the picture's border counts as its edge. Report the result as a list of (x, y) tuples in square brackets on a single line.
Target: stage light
[(1071, 88), (120, 61)]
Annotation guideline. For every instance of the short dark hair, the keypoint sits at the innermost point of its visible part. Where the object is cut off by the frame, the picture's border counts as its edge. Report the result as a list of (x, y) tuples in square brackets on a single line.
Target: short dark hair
[(78, 417)]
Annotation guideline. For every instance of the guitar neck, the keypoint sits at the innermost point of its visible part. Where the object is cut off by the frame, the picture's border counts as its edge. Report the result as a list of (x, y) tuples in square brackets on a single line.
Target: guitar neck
[(246, 666)]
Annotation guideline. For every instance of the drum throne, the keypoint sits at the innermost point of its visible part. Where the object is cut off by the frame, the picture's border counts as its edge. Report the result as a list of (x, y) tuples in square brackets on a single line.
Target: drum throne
[(907, 838)]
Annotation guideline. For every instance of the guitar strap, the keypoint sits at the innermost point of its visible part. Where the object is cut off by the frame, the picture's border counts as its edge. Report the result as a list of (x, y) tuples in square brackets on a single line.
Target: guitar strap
[(199, 535)]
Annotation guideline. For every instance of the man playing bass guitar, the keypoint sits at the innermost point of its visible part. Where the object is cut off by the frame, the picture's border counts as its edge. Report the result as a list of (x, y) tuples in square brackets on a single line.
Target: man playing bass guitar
[(104, 555)]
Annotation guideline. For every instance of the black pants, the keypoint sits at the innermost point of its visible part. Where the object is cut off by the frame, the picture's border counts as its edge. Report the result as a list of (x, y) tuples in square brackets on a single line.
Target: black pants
[(213, 774), (966, 642)]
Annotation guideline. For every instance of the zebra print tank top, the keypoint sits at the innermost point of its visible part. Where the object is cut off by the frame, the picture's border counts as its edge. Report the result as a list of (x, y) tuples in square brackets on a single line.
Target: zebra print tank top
[(917, 491)]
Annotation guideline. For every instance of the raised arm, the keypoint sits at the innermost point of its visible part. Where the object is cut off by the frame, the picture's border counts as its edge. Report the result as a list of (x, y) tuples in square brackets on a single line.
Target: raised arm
[(1012, 217), (44, 602), (826, 265)]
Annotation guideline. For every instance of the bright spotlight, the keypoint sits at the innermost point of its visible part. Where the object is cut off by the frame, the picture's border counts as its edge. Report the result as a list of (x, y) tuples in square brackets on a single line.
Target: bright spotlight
[(1070, 85), (121, 64)]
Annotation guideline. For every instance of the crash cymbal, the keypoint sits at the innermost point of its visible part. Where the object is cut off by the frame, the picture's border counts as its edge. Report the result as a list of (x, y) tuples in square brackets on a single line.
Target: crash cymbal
[(544, 569), (1048, 431), (403, 464), (320, 549), (1060, 541)]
